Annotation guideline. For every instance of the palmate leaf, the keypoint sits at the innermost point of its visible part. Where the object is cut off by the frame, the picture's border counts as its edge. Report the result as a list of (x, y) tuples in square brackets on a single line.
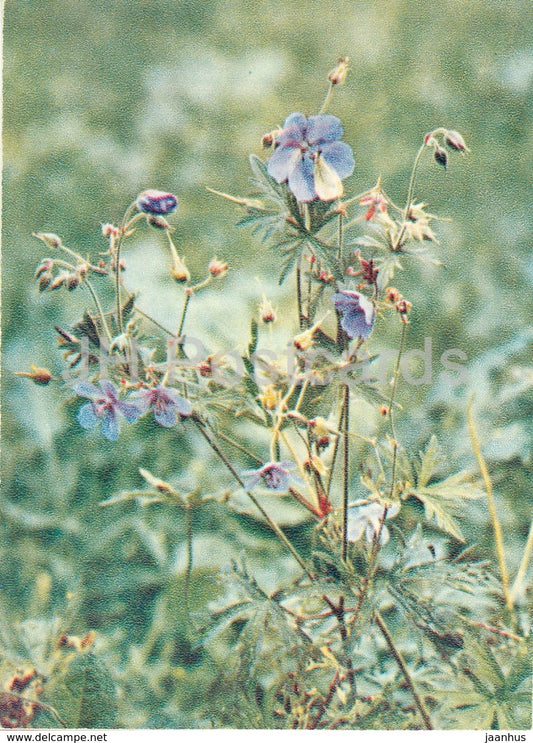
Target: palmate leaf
[(494, 696), (442, 500)]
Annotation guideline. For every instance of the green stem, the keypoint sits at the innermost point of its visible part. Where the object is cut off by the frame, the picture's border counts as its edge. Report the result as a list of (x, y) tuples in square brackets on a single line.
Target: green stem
[(410, 190), (275, 528), (524, 564), (188, 568), (327, 99), (403, 668), (391, 403), (498, 538), (118, 246), (188, 296), (94, 295), (155, 322), (346, 472)]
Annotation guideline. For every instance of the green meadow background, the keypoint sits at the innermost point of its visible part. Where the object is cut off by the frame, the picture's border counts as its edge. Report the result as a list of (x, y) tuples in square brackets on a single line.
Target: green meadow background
[(104, 99)]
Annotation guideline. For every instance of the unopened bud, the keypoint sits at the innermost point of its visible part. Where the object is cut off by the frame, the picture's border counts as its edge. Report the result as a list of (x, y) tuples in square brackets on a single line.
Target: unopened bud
[(270, 397), (49, 238), (441, 156), (455, 141), (383, 409), (59, 280), (109, 230), (158, 222), (392, 294), (45, 279), (72, 281), (338, 75), (267, 312), (403, 307), (179, 271), (217, 268), (45, 265), (37, 374), (269, 139)]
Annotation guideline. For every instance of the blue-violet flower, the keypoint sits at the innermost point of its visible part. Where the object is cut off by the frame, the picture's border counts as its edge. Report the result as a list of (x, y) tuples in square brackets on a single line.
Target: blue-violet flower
[(104, 408), (310, 158), (165, 403), (273, 475), (357, 311), (367, 518), (156, 202)]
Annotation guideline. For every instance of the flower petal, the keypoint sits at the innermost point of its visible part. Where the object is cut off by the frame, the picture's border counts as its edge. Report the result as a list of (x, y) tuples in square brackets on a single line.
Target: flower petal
[(86, 389), (110, 425), (283, 162), (339, 156), (328, 185), (165, 415), (323, 128), (184, 406), (294, 128), (131, 411), (87, 418), (302, 179), (109, 389)]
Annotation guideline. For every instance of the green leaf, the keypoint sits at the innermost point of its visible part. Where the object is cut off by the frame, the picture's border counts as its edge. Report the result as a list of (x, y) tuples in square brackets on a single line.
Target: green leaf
[(83, 693), (429, 461)]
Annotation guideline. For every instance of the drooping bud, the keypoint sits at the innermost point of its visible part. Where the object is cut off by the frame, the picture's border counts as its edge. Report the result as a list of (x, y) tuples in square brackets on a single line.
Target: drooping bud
[(45, 279), (217, 268), (455, 141), (338, 74), (59, 280), (158, 222), (72, 281), (441, 156), (156, 202)]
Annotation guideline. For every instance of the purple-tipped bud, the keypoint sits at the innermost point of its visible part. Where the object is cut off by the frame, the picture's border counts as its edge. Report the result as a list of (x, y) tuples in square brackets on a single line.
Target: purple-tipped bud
[(455, 141), (156, 202), (441, 156)]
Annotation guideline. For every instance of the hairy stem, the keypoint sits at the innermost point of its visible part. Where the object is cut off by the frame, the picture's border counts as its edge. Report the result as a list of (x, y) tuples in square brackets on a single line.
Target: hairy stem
[(391, 411), (410, 190), (403, 668), (524, 564), (346, 472), (275, 528)]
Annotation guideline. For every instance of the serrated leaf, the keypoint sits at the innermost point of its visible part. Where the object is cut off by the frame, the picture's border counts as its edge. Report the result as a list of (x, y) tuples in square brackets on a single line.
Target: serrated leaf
[(436, 507), (83, 693), (429, 460)]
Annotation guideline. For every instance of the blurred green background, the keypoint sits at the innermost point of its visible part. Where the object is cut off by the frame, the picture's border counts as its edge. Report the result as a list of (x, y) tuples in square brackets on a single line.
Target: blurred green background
[(104, 99)]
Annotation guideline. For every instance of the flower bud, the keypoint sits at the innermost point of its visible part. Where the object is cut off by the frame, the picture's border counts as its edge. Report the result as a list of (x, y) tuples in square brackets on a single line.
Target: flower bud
[(54, 241), (45, 265), (59, 280), (441, 156), (270, 397), (267, 312), (217, 268), (338, 75), (156, 202), (392, 294), (269, 139), (72, 281), (109, 230), (404, 307), (383, 409), (37, 374), (45, 279), (179, 271), (455, 141), (159, 223)]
